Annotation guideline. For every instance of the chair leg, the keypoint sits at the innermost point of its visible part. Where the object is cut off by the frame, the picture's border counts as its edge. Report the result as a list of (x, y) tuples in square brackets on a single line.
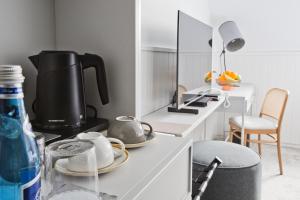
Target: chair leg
[(259, 144), (230, 134), (245, 138), (279, 157)]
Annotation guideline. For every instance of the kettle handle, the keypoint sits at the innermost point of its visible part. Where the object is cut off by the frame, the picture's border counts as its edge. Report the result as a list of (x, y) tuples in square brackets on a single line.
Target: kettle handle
[(92, 60), (33, 106), (35, 60), (93, 109)]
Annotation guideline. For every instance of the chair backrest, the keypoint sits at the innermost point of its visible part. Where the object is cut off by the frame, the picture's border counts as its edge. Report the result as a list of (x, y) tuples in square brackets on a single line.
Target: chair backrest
[(181, 89), (274, 104)]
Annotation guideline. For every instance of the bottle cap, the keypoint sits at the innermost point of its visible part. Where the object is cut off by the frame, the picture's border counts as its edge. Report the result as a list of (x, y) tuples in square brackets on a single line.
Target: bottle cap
[(11, 74)]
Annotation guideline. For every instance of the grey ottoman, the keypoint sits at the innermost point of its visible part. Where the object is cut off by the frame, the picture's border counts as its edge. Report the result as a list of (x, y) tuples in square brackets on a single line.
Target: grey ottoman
[(237, 178)]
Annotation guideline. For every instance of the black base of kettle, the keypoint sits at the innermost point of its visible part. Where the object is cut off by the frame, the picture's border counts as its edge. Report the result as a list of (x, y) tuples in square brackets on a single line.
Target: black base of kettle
[(91, 125), (57, 125)]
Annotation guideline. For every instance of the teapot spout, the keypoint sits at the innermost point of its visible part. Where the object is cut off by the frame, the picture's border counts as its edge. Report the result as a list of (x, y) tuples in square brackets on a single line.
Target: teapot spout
[(34, 60)]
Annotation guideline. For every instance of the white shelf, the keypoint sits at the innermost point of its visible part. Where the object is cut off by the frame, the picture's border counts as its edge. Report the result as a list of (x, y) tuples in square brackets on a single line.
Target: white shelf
[(180, 124)]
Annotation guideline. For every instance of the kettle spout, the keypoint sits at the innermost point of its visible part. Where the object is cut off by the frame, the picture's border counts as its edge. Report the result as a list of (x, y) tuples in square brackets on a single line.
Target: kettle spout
[(34, 60)]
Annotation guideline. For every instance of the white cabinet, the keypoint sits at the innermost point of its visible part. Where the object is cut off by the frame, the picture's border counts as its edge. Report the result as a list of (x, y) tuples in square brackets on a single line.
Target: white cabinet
[(160, 171), (173, 181)]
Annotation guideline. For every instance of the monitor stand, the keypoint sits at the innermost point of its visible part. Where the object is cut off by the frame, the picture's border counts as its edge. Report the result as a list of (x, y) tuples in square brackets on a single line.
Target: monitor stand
[(183, 110)]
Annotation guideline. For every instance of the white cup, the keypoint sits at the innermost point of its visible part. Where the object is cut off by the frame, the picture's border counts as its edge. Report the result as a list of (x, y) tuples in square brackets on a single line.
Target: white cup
[(104, 151), (84, 162)]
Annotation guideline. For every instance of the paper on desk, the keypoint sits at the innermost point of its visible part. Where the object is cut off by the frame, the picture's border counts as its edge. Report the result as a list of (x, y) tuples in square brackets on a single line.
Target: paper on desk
[(171, 128)]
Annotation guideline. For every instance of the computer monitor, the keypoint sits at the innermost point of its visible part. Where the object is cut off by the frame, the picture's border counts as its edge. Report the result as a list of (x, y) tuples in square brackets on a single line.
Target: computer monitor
[(194, 56)]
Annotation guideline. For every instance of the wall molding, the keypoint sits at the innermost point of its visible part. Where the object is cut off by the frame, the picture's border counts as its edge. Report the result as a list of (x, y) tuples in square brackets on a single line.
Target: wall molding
[(262, 53), (171, 50), (159, 49), (241, 53)]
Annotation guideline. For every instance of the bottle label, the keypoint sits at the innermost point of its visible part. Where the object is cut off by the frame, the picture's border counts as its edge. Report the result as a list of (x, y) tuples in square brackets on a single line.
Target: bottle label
[(32, 189), (14, 90)]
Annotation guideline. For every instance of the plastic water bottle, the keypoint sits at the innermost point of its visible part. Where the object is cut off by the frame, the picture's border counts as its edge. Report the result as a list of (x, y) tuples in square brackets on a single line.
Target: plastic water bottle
[(19, 157)]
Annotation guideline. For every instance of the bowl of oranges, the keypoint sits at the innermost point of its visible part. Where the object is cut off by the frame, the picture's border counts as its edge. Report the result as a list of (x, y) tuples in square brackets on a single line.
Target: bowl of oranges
[(229, 78)]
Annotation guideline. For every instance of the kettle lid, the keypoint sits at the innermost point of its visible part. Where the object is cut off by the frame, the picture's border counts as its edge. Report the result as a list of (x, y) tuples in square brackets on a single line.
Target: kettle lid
[(56, 60)]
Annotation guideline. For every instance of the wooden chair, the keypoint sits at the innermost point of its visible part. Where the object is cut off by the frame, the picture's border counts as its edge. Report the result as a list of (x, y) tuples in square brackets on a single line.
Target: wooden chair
[(181, 90), (268, 123)]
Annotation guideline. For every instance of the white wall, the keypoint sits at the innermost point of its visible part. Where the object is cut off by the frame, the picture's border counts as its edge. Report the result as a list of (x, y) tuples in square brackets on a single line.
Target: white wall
[(106, 28), (268, 25), (158, 65), (159, 19), (27, 27)]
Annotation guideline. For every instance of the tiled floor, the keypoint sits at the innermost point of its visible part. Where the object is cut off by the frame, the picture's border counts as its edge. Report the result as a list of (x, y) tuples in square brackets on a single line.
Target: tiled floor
[(276, 187)]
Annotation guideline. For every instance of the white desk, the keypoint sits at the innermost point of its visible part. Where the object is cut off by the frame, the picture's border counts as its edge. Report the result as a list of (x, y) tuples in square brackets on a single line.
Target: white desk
[(241, 98), (181, 124)]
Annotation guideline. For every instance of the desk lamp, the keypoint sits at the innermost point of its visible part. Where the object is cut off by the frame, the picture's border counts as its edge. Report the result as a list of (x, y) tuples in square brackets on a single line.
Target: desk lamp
[(232, 38)]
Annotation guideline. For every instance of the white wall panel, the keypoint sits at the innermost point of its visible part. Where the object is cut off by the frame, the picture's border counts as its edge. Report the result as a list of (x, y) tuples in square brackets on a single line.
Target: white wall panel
[(159, 76), (193, 68), (159, 83), (158, 79)]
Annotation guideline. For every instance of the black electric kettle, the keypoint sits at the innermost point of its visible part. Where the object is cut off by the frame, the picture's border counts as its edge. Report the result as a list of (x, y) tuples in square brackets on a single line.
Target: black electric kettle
[(60, 98)]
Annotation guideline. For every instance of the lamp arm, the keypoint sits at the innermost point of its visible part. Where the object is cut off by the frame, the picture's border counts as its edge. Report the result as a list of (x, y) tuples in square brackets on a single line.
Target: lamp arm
[(221, 64), (223, 53), (224, 57)]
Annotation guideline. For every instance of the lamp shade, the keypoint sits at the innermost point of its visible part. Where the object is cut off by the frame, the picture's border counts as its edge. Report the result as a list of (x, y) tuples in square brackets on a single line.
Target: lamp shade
[(232, 37)]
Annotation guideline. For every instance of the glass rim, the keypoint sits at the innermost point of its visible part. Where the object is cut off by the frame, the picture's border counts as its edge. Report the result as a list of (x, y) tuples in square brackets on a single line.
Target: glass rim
[(69, 147)]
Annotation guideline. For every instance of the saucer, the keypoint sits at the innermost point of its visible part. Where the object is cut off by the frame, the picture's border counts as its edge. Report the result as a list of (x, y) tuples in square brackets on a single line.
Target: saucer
[(141, 144), (61, 165), (118, 162)]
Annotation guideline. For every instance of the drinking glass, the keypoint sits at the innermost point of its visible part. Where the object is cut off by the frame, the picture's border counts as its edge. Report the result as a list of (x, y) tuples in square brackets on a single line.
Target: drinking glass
[(70, 171)]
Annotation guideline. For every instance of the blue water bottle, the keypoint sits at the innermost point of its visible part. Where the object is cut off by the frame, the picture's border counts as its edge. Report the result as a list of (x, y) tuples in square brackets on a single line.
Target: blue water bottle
[(19, 157)]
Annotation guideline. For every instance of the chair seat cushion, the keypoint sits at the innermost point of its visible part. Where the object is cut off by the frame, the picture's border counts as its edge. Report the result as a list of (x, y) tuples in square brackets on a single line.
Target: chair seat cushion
[(237, 178), (232, 155), (254, 123)]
